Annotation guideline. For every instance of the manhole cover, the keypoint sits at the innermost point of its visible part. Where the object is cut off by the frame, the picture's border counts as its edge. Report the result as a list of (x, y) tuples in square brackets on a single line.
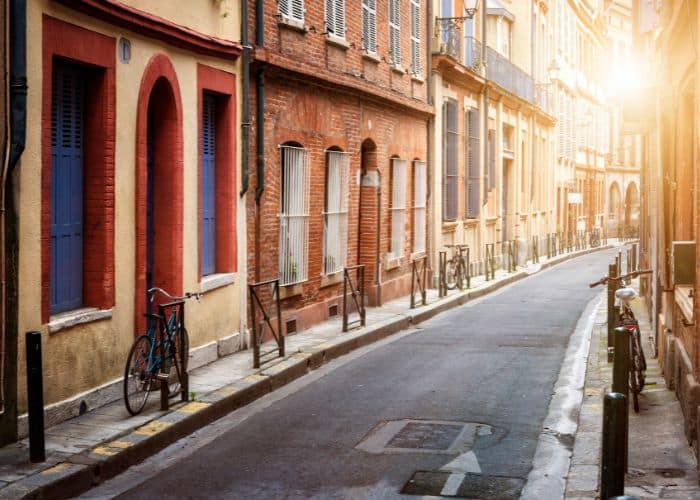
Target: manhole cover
[(445, 484), (423, 436)]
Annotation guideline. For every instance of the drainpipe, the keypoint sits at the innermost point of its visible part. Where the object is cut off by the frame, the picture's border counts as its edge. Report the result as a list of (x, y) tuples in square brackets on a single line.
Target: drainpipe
[(259, 130), (9, 243), (378, 274), (485, 141), (245, 125)]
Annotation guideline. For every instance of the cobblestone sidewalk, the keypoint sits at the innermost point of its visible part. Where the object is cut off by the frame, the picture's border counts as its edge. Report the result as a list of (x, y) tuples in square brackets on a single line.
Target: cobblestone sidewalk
[(661, 463)]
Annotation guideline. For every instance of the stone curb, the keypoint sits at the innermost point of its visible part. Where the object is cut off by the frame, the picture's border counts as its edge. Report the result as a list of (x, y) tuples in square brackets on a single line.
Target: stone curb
[(82, 471)]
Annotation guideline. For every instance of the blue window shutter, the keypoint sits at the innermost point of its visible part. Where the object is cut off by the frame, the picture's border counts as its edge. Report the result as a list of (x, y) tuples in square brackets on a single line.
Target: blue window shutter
[(208, 180), (67, 138)]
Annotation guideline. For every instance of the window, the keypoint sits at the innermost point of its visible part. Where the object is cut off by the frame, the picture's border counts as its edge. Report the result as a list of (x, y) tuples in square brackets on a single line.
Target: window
[(472, 163), (450, 139), (420, 204), (67, 140), (395, 32), (291, 9), (369, 26), (335, 217), (294, 214), (415, 38), (208, 185), (398, 206), (335, 17)]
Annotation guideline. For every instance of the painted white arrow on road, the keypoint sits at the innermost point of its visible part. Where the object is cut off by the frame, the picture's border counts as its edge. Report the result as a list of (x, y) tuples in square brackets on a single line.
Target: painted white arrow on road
[(464, 463)]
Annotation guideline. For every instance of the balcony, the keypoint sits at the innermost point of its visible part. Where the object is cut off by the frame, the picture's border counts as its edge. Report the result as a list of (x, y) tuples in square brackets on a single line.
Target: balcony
[(451, 41), (544, 98), (509, 76)]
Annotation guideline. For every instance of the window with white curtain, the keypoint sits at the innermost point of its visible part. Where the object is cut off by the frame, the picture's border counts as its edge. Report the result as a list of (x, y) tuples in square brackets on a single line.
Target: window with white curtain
[(291, 9), (369, 26), (420, 205), (415, 38), (395, 32), (335, 216), (294, 214), (398, 206), (335, 17)]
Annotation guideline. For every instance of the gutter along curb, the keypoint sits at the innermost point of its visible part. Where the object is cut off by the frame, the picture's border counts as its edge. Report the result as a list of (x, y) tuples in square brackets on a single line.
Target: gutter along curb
[(81, 471)]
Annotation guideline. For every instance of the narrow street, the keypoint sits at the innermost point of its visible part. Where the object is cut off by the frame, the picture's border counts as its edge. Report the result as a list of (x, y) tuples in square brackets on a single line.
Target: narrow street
[(473, 383)]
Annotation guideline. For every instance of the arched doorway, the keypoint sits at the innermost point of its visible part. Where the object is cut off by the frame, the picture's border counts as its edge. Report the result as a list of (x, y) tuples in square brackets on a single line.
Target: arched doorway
[(368, 221), (614, 206), (159, 184), (632, 208)]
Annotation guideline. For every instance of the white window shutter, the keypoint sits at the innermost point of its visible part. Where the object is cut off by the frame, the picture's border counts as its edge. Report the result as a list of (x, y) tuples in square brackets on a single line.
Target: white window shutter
[(395, 31), (415, 38), (369, 26), (340, 18)]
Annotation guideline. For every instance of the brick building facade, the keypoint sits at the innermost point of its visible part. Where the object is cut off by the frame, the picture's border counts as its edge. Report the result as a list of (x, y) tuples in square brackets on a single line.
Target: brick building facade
[(345, 128)]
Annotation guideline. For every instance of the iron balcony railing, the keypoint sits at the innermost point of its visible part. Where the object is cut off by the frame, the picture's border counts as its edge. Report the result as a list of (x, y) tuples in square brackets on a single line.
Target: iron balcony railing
[(544, 97), (509, 76), (450, 39)]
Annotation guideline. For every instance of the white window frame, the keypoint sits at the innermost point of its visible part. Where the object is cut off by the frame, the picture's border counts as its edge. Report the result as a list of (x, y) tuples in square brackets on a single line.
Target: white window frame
[(416, 49), (335, 18), (294, 214), (420, 205), (291, 10), (398, 207), (395, 32), (335, 215), (369, 26)]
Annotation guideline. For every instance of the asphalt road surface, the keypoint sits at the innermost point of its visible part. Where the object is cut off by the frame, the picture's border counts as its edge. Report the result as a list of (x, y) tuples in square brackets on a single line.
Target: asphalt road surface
[(452, 408)]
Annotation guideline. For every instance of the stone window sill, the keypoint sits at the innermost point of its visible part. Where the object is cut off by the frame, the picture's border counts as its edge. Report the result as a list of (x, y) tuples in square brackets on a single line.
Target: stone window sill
[(214, 281), (418, 255), (331, 279), (292, 24), (372, 57), (398, 69), (392, 263), (449, 226), (417, 78), (337, 41), (293, 290), (471, 222), (69, 319)]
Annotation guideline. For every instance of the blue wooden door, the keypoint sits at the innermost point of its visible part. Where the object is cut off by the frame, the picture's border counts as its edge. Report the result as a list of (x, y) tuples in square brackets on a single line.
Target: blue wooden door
[(67, 137), (208, 181)]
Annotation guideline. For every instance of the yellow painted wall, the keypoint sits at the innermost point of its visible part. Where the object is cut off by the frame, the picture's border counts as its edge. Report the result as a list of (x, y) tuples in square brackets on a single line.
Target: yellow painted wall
[(80, 358)]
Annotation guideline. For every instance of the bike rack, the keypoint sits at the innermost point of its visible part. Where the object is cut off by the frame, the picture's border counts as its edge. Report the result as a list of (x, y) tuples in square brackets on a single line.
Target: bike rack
[(183, 376), (489, 263), (419, 271), (257, 305), (442, 279), (512, 256), (465, 262), (535, 250), (357, 294)]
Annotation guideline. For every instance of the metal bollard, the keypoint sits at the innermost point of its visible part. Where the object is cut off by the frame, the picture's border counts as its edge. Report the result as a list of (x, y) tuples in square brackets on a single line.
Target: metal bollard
[(634, 257), (35, 397), (442, 265), (612, 464), (612, 316), (621, 377)]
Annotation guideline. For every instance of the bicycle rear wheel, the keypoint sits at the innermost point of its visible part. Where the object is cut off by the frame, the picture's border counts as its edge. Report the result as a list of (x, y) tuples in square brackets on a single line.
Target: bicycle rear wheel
[(138, 378)]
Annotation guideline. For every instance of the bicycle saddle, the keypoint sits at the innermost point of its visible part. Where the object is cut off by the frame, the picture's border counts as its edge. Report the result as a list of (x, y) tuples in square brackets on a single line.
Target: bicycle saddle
[(626, 293)]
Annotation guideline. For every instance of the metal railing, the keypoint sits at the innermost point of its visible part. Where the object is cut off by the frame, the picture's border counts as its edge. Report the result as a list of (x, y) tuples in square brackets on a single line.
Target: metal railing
[(442, 273), (357, 294), (509, 76), (419, 272), (489, 262), (535, 250), (265, 307), (451, 40), (510, 252)]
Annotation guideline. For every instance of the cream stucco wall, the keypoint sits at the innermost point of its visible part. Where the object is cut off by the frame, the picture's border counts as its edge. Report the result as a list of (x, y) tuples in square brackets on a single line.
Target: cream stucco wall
[(83, 357)]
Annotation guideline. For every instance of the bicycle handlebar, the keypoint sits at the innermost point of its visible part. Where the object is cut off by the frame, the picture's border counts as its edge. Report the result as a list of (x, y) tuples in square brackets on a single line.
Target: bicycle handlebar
[(188, 295), (622, 277)]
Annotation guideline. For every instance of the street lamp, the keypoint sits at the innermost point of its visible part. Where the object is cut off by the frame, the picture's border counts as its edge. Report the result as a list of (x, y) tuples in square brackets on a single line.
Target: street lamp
[(553, 71), (470, 8)]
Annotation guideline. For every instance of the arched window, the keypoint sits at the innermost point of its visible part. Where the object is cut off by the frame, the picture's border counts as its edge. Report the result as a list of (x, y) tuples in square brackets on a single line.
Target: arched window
[(335, 215), (294, 213)]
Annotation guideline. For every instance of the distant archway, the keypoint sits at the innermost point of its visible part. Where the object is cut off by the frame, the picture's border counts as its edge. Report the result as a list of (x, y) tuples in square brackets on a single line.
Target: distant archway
[(632, 207), (614, 207)]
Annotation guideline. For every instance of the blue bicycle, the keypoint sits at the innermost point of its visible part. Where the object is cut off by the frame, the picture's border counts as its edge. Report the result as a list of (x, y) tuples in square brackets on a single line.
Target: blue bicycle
[(159, 354)]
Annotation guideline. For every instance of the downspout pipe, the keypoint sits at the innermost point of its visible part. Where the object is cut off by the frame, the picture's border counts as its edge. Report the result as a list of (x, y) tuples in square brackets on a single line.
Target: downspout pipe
[(259, 130), (245, 75), (18, 80)]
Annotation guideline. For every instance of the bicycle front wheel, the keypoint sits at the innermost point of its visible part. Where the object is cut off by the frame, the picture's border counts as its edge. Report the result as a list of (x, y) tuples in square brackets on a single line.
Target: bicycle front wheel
[(138, 378), (451, 275), (179, 357)]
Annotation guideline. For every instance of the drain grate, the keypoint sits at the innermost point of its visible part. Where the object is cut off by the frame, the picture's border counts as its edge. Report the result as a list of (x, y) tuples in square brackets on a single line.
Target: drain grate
[(445, 484)]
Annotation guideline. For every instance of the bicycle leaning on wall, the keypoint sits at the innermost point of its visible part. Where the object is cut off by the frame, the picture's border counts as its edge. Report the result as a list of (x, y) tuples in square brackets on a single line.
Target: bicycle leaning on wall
[(159, 354), (456, 272)]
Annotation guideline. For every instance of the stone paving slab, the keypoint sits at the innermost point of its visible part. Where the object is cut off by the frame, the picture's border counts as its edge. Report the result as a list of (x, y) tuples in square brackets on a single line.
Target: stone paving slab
[(661, 463), (100, 444)]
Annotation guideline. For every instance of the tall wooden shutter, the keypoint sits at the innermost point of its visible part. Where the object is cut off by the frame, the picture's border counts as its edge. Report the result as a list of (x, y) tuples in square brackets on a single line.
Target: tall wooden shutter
[(472, 163), (490, 171), (335, 17), (208, 184), (369, 26), (450, 137), (415, 38), (395, 31), (67, 137)]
